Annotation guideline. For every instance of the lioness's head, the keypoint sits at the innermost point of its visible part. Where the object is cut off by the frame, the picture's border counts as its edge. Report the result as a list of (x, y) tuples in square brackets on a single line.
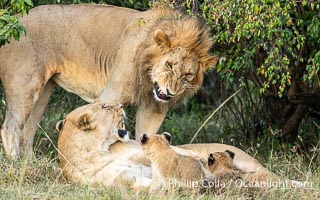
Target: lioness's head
[(179, 58), (221, 161), (98, 125)]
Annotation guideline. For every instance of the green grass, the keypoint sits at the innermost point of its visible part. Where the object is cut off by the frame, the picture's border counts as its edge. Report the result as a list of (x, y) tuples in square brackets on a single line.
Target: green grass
[(42, 178)]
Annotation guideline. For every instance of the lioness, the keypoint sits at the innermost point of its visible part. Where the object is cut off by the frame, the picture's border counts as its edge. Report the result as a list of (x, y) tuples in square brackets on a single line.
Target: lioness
[(103, 54), (90, 153), (171, 170), (85, 138)]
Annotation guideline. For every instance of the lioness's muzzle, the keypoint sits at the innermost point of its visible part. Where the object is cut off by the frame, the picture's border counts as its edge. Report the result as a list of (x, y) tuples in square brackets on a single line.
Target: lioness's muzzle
[(122, 133)]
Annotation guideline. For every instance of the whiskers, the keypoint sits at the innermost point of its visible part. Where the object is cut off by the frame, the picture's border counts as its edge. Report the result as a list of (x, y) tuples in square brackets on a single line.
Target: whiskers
[(203, 90), (128, 119), (129, 122), (191, 88)]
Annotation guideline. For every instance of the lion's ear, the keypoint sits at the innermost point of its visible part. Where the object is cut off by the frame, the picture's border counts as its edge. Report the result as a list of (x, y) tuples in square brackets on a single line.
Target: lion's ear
[(231, 154), (161, 39), (211, 62), (83, 123), (59, 125), (211, 159), (144, 138), (167, 136)]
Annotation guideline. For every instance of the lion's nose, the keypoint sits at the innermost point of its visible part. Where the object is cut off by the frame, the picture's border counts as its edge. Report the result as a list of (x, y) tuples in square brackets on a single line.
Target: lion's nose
[(122, 133)]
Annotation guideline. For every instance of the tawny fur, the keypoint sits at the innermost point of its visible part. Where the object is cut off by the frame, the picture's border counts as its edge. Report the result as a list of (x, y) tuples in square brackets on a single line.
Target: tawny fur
[(223, 165), (170, 167), (84, 149), (91, 159), (241, 161), (249, 168), (103, 54)]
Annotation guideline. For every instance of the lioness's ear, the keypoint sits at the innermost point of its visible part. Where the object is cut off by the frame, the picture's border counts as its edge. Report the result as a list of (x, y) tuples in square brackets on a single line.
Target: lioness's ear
[(83, 122), (231, 154), (167, 136), (60, 124), (211, 159), (144, 138), (161, 39)]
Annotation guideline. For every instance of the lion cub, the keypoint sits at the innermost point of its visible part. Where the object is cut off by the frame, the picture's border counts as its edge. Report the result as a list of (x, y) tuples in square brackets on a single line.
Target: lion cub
[(221, 164), (169, 169)]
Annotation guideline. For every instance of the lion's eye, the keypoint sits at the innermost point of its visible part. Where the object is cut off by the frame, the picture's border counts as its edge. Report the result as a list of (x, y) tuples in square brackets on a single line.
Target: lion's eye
[(189, 77), (169, 65)]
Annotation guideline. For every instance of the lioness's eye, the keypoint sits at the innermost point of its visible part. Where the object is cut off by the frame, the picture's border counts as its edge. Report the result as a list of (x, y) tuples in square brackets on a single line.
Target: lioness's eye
[(169, 65)]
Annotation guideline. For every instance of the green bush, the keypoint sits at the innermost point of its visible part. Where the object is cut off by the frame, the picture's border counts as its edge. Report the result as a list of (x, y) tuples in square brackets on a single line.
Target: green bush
[(275, 44), (9, 24)]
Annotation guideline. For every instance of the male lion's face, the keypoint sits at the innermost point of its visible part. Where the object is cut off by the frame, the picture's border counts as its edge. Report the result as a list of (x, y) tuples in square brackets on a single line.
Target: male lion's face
[(175, 74), (177, 70)]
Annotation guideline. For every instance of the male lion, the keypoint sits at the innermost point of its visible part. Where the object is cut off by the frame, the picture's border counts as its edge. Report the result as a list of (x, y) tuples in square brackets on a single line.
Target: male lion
[(84, 149), (103, 54)]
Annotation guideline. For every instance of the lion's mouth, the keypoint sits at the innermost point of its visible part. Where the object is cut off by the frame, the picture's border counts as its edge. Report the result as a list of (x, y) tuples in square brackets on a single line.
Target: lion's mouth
[(159, 93)]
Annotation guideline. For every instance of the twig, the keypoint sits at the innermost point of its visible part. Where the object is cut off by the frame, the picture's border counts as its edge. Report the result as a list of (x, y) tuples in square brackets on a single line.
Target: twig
[(214, 112)]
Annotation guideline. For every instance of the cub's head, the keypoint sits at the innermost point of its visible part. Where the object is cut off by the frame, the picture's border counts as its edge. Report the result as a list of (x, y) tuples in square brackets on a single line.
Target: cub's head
[(178, 56), (156, 142), (96, 124), (221, 161)]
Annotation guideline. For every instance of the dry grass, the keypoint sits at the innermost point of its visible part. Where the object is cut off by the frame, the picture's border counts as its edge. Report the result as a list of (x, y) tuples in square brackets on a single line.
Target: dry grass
[(42, 178)]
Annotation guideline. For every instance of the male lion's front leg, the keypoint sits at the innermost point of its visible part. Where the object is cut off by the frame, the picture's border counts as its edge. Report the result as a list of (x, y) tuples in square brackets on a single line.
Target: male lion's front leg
[(149, 119)]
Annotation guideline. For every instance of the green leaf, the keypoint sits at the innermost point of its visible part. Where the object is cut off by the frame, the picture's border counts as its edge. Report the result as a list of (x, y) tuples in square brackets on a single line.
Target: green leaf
[(256, 9), (219, 68), (16, 34)]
